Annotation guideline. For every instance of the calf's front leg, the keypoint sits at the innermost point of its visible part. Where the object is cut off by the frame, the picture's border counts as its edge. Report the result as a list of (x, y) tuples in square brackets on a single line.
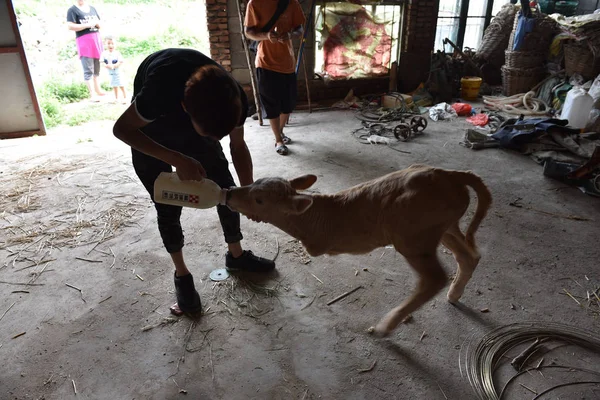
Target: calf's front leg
[(432, 279)]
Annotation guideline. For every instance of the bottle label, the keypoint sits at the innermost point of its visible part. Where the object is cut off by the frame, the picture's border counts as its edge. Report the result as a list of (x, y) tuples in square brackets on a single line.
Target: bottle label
[(183, 197)]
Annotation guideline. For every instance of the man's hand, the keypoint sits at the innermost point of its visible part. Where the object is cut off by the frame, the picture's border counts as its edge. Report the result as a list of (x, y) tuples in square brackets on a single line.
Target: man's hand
[(285, 37), (189, 169), (273, 36)]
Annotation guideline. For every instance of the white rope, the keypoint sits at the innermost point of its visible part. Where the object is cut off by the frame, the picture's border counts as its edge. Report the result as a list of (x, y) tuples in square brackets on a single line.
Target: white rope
[(520, 104)]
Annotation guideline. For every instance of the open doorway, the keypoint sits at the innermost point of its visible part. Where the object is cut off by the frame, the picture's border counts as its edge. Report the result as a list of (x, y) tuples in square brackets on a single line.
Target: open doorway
[(138, 28)]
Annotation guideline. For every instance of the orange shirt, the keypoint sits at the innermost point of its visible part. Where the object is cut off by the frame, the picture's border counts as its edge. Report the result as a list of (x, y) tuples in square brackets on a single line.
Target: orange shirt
[(278, 57)]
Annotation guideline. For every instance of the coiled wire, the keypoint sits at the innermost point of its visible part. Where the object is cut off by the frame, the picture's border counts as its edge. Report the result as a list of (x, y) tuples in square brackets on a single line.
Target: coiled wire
[(481, 361)]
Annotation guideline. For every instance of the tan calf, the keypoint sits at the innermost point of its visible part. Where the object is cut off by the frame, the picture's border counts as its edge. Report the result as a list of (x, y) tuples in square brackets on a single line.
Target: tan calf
[(413, 209)]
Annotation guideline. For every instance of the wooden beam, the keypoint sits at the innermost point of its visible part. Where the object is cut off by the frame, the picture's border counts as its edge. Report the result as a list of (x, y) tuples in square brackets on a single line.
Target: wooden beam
[(5, 50), (21, 51), (22, 134)]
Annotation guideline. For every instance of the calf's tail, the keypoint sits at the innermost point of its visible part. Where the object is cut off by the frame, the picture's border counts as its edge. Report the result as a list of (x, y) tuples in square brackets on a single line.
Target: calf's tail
[(484, 200)]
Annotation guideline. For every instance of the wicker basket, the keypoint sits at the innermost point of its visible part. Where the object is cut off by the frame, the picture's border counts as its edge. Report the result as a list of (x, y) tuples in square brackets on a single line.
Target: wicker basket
[(524, 59), (520, 80), (579, 59), (539, 39), (495, 37)]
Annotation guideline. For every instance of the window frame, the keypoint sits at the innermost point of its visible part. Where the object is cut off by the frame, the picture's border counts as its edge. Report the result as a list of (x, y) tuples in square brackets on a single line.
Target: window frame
[(463, 17)]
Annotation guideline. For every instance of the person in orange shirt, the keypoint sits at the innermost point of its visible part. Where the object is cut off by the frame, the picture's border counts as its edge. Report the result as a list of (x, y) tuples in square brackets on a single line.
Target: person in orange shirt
[(276, 62)]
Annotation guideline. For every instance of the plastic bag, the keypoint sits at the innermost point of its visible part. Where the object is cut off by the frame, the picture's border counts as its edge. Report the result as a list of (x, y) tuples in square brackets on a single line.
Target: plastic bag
[(479, 119), (442, 111), (462, 109), (595, 89), (593, 124)]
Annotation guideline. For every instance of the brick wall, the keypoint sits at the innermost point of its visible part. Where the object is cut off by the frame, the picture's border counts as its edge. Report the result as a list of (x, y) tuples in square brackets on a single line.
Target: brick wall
[(218, 32)]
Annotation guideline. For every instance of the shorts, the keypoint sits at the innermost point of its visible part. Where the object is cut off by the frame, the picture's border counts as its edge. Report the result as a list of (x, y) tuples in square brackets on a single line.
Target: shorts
[(278, 92), (115, 78), (91, 66)]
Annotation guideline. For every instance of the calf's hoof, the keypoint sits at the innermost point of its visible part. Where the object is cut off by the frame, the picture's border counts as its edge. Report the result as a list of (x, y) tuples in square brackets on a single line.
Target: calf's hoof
[(453, 296), (379, 331)]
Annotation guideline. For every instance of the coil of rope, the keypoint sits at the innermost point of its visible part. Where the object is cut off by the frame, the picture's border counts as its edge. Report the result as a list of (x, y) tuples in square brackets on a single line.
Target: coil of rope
[(520, 104), (530, 103)]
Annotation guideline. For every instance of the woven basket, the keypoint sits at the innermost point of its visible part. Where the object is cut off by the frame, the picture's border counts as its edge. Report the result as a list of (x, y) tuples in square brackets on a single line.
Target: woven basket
[(524, 59), (539, 39), (496, 35), (579, 59), (520, 80)]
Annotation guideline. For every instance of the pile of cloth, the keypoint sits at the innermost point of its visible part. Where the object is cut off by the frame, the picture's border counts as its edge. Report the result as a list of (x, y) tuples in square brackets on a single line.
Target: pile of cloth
[(581, 27), (564, 152)]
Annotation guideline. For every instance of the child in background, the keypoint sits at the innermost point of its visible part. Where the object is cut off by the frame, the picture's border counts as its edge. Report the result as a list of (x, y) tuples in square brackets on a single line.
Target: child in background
[(112, 61)]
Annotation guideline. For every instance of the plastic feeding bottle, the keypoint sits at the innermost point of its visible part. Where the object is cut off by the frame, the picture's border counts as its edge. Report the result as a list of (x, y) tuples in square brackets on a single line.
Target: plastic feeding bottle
[(169, 189), (578, 105)]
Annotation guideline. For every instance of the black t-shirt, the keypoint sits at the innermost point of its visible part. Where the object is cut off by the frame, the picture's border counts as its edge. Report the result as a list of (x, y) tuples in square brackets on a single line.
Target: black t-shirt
[(159, 84), (77, 16)]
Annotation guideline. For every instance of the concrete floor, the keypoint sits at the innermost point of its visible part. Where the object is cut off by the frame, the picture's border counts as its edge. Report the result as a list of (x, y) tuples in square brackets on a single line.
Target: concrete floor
[(72, 198)]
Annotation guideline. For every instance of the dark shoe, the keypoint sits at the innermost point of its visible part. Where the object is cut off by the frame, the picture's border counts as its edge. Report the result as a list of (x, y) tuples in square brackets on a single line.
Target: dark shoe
[(188, 298), (248, 262), (286, 139)]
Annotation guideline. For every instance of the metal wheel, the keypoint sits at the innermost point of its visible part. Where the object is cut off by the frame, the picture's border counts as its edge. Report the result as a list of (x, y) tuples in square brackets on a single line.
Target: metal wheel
[(418, 124), (402, 132)]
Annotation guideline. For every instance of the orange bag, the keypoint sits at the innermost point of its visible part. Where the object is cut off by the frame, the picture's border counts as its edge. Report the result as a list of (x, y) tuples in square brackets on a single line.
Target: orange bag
[(479, 119), (462, 109)]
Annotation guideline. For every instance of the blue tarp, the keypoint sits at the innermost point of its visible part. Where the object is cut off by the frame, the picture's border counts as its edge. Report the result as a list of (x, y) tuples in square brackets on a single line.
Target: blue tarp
[(524, 26)]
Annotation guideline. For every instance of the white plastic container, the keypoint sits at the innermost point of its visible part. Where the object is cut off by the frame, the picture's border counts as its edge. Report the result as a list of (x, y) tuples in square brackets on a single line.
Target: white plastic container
[(169, 189), (577, 107)]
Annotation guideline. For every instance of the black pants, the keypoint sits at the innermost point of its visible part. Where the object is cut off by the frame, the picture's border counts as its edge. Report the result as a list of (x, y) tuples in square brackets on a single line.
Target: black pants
[(278, 92), (177, 133)]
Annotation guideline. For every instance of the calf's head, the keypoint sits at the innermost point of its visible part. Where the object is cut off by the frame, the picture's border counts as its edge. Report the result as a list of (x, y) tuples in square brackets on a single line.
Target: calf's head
[(271, 197)]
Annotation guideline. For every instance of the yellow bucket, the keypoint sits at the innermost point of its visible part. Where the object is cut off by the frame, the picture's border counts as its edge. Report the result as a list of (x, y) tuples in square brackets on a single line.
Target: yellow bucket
[(469, 87)]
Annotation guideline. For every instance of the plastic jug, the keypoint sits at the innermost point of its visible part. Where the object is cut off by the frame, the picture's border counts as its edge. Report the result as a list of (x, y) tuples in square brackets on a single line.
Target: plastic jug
[(577, 107), (169, 189)]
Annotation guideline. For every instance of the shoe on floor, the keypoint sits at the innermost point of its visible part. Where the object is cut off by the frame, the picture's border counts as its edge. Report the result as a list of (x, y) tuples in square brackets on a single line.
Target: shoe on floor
[(282, 150), (188, 299), (248, 262), (286, 139)]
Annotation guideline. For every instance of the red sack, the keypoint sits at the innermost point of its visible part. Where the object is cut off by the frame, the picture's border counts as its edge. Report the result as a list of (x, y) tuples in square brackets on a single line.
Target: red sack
[(462, 109), (479, 119)]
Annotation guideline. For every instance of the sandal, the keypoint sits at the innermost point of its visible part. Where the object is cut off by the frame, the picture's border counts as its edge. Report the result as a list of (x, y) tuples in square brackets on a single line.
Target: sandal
[(285, 139), (188, 299), (282, 150)]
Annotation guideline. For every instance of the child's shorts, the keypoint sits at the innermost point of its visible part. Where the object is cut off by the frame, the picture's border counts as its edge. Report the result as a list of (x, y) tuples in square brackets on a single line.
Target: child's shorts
[(115, 78)]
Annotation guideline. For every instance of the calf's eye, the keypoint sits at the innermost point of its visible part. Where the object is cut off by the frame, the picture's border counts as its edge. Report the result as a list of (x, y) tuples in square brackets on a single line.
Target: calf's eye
[(258, 201)]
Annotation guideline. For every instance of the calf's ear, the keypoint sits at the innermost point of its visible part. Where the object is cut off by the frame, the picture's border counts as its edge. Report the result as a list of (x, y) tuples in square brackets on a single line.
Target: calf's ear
[(300, 203), (303, 182)]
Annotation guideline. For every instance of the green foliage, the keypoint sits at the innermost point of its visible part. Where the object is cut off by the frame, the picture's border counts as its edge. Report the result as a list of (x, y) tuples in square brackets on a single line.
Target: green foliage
[(94, 112), (68, 51), (171, 37), (51, 111), (131, 46), (66, 92), (25, 10)]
